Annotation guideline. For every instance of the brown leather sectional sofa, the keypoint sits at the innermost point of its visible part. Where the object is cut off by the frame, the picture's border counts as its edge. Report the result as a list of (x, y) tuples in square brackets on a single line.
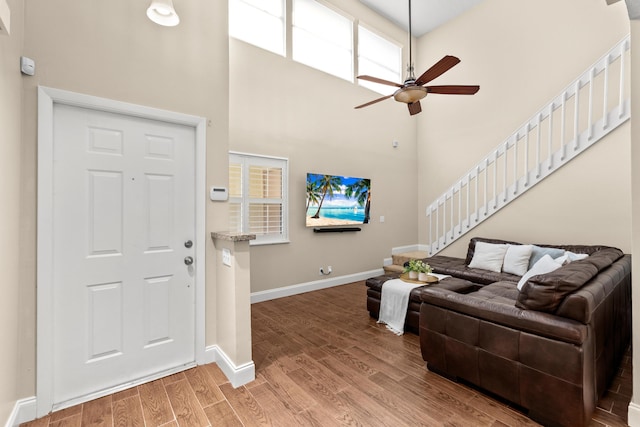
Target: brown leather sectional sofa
[(551, 348)]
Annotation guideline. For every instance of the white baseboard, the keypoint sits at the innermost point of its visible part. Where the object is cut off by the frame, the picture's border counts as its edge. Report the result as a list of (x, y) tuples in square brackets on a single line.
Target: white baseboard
[(288, 291), (403, 249), (237, 375), (633, 415), (23, 411)]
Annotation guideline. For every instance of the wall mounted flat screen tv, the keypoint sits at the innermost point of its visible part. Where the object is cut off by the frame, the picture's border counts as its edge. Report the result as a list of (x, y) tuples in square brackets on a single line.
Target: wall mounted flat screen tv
[(334, 200)]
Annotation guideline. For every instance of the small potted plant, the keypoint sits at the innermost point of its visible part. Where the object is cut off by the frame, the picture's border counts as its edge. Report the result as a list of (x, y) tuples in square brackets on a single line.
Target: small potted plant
[(415, 268), (424, 271)]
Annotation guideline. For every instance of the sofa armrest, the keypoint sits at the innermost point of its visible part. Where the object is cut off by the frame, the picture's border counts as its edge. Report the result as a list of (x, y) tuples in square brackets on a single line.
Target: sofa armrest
[(494, 308)]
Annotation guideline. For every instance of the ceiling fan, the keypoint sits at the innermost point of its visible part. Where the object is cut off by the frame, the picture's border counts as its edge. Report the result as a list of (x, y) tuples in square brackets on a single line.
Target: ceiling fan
[(413, 90)]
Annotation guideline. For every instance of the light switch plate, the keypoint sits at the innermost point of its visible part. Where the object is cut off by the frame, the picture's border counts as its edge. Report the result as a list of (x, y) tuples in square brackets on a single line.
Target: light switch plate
[(226, 257)]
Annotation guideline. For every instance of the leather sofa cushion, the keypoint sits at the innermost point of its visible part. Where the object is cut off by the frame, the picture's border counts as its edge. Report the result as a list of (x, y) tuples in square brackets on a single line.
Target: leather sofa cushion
[(456, 267), (546, 292), (495, 303)]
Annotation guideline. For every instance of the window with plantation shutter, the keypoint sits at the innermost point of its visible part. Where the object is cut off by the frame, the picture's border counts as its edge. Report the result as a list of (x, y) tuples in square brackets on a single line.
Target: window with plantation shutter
[(258, 197)]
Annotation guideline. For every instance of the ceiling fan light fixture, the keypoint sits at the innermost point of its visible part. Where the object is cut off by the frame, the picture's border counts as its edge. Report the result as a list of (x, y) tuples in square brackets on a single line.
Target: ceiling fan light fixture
[(163, 13), (410, 94)]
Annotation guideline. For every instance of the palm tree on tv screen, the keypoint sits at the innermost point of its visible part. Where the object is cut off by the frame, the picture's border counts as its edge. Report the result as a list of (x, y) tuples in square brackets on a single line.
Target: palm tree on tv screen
[(361, 191), (314, 192), (328, 184)]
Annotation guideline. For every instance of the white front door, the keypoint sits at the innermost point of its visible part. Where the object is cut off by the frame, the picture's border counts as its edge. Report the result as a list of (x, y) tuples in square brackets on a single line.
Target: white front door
[(123, 232)]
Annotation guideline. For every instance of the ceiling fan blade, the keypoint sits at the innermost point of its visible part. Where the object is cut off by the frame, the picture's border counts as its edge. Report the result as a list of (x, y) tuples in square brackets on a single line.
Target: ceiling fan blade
[(453, 89), (414, 108), (439, 68), (374, 101), (381, 81)]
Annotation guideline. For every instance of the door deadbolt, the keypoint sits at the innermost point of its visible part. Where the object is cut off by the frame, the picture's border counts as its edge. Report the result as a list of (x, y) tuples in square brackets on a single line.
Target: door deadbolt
[(188, 260), (188, 244)]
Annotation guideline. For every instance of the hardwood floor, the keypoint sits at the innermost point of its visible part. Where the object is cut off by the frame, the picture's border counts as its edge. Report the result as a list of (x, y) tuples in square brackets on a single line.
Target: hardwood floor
[(320, 361)]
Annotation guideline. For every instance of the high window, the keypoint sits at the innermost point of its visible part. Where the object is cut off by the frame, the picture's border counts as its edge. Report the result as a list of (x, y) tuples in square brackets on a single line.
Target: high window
[(258, 197), (322, 38), (378, 57), (319, 36), (259, 22)]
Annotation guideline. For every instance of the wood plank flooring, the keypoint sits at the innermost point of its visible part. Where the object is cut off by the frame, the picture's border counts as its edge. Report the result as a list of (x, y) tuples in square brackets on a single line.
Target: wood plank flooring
[(320, 361)]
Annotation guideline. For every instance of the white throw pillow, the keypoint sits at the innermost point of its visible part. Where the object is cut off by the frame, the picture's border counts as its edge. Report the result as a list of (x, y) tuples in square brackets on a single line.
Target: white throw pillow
[(539, 251), (488, 256), (516, 259), (545, 265)]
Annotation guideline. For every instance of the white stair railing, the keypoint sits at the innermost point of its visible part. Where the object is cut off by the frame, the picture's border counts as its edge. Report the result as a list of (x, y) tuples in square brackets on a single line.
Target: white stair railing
[(587, 110)]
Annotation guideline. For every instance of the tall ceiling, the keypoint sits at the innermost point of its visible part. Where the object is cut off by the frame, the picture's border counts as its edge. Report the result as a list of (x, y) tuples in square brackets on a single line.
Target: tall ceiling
[(426, 15)]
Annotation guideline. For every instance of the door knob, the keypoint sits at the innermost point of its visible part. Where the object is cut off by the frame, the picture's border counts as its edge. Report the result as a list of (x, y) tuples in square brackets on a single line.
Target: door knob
[(188, 260)]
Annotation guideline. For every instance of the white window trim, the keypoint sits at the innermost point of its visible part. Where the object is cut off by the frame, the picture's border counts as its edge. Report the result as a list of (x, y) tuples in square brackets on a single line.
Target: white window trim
[(263, 160)]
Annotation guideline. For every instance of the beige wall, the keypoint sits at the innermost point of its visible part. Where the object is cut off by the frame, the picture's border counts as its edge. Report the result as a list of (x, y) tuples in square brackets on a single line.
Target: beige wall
[(282, 108), (10, 169), (522, 54), (110, 49)]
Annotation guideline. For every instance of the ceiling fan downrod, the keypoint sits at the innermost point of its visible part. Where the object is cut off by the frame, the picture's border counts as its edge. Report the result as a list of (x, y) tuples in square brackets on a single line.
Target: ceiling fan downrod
[(410, 73)]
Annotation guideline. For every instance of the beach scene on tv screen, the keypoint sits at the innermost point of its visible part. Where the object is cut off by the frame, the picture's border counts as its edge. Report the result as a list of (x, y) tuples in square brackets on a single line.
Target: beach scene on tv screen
[(337, 200)]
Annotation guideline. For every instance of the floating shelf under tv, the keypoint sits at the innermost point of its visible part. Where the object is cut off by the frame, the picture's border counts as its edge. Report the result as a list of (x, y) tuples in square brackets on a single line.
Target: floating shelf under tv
[(335, 229)]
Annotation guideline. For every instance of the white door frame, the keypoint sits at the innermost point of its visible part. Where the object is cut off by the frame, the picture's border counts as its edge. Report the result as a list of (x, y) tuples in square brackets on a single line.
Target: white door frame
[(47, 97)]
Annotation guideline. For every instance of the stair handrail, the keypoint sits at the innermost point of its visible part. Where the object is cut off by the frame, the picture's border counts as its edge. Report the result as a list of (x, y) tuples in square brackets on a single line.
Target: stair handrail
[(582, 139)]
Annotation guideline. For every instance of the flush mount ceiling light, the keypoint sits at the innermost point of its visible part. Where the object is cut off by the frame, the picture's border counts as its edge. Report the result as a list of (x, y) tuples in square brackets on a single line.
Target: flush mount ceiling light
[(162, 12)]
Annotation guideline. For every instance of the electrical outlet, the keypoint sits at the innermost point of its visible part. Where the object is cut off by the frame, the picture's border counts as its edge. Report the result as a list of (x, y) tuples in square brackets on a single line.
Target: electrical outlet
[(326, 272)]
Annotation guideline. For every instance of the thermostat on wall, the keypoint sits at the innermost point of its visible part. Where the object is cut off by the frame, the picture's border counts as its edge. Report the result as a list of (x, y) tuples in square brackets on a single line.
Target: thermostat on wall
[(219, 194)]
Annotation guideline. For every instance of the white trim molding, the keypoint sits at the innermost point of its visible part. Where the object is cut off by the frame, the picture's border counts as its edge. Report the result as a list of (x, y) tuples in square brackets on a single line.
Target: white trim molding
[(633, 415), (237, 375), (23, 411), (316, 285)]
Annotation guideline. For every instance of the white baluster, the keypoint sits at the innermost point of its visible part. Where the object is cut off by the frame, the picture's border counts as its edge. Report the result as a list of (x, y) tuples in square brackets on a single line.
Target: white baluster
[(526, 155), (590, 118), (538, 171), (460, 210), (495, 179), (504, 172), (576, 116), (562, 125), (622, 65), (515, 165), (468, 191), (452, 223), (550, 136), (605, 117)]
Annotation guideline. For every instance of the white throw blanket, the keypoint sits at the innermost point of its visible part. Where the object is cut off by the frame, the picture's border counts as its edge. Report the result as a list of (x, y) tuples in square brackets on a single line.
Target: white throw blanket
[(394, 301)]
